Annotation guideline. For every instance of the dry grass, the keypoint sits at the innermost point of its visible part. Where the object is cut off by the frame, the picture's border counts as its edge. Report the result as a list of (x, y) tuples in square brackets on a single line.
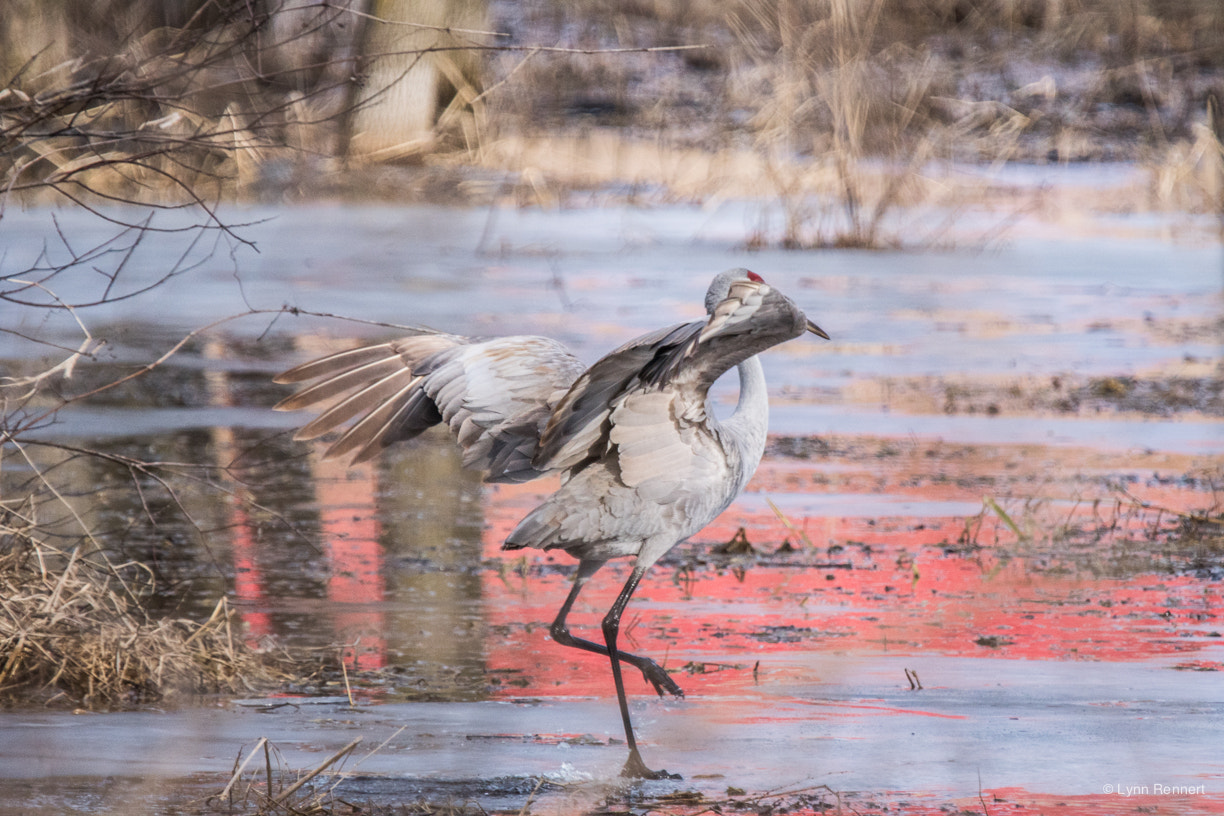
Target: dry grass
[(834, 113), (264, 789), (73, 631), (834, 110)]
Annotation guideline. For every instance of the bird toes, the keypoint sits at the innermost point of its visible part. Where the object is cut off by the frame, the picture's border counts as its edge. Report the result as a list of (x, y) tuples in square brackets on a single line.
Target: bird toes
[(658, 677), (635, 768)]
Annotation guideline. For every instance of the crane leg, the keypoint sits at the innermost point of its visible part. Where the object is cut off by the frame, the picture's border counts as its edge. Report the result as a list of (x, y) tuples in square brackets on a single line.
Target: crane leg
[(655, 674), (634, 767)]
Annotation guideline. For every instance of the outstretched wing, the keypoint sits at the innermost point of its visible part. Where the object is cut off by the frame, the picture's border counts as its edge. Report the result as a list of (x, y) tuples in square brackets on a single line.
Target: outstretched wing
[(495, 395), (684, 360), (581, 422)]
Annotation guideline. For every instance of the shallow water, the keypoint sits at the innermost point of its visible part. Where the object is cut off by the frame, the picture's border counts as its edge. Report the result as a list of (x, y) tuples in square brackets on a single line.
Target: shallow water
[(1083, 619)]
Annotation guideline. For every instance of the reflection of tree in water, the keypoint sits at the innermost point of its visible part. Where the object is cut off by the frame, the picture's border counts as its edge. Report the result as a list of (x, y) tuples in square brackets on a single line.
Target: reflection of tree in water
[(432, 517), (385, 560), (394, 574), (136, 513)]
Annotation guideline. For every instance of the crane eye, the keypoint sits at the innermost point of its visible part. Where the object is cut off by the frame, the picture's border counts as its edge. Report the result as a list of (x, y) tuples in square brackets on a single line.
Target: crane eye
[(755, 278)]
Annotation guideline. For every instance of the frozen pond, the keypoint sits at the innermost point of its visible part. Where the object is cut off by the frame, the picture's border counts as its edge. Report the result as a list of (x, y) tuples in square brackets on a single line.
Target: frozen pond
[(1069, 651)]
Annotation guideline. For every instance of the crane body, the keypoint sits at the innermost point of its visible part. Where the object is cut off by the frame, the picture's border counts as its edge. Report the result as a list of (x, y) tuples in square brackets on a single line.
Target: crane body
[(644, 464)]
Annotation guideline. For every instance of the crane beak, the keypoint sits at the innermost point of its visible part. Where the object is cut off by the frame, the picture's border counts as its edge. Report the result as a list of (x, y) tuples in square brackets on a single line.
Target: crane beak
[(816, 330)]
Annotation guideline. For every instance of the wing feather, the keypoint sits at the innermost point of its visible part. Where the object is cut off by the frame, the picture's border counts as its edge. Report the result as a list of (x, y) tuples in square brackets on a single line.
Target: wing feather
[(326, 366), (329, 389), (495, 396), (659, 454), (374, 394), (378, 429), (578, 428)]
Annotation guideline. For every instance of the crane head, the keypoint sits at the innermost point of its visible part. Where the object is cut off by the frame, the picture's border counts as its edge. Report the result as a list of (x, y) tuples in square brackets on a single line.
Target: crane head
[(720, 289)]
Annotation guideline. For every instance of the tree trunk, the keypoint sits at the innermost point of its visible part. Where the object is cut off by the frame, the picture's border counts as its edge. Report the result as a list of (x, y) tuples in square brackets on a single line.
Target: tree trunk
[(411, 73)]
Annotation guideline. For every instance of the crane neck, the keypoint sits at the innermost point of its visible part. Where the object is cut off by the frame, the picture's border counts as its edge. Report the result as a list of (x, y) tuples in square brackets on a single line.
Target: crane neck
[(749, 424)]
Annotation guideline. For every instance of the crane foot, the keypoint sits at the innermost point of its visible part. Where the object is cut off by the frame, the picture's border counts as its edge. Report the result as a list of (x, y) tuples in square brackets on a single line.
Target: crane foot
[(635, 768), (658, 677)]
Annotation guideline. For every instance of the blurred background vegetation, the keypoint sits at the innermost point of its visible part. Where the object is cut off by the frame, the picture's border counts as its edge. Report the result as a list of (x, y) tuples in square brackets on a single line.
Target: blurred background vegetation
[(172, 101)]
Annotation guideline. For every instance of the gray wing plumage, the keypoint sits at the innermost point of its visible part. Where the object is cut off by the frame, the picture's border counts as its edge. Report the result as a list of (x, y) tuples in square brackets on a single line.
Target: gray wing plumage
[(495, 396), (634, 430), (643, 463), (579, 426), (685, 358)]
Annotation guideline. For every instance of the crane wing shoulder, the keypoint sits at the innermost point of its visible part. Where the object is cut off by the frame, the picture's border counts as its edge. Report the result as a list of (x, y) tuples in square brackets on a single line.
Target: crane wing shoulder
[(663, 447), (578, 428)]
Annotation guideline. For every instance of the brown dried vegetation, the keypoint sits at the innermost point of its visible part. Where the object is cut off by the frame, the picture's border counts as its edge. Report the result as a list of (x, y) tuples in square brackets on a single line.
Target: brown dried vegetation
[(74, 631), (134, 102)]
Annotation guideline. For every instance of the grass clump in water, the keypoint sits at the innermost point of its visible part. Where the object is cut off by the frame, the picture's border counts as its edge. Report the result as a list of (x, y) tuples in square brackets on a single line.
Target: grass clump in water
[(73, 630)]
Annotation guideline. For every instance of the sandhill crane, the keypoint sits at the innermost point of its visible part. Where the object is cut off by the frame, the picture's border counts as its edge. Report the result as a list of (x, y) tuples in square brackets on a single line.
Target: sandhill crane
[(644, 464)]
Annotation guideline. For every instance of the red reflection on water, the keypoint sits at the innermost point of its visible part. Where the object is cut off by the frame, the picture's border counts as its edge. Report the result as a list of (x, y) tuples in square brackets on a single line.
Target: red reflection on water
[(1023, 802), (1014, 802), (897, 585), (248, 577), (349, 520), (249, 582), (354, 556)]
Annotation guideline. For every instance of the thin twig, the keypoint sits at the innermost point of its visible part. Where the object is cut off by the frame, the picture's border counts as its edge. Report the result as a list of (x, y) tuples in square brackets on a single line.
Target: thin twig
[(238, 772), (336, 757)]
